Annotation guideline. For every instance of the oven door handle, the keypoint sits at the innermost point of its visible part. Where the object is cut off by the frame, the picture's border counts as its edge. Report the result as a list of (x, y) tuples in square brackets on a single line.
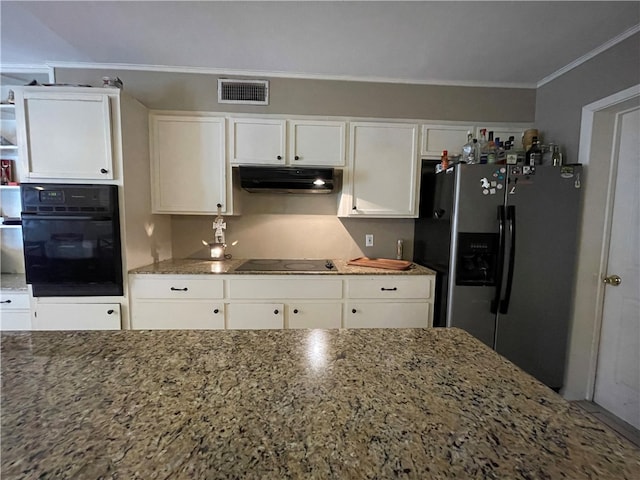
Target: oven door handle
[(65, 217)]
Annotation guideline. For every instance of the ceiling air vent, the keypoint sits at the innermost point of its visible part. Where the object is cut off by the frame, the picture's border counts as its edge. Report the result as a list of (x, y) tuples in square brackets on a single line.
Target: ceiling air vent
[(247, 92)]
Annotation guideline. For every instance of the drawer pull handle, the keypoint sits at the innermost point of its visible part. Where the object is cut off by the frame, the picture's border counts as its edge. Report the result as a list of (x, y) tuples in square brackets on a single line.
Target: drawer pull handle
[(174, 289), (216, 311), (389, 289), (6, 301), (295, 310), (104, 170), (110, 312), (276, 311), (279, 157), (353, 310)]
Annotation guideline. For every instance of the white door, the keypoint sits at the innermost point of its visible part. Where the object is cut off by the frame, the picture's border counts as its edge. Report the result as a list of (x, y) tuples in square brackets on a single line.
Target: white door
[(188, 164), (617, 387), (385, 162), (317, 142), (257, 141), (68, 136)]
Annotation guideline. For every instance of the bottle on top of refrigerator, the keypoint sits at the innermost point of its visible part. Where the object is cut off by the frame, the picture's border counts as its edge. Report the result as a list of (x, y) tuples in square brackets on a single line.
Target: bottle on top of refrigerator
[(468, 151), (476, 151), (511, 156), (483, 143), (556, 156), (534, 154), (491, 149), (501, 152), (444, 159)]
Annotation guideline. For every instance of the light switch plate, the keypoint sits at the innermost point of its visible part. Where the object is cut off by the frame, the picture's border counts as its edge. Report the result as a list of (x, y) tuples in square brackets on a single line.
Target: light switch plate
[(368, 240)]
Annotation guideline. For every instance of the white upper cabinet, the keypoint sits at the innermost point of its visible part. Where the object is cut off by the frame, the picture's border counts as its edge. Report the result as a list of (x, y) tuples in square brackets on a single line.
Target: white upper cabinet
[(188, 164), (383, 174), (66, 135), (317, 143), (257, 141), (265, 141), (436, 138)]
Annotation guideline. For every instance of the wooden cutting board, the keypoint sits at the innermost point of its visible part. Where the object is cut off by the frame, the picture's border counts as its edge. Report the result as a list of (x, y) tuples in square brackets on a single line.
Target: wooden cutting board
[(381, 263)]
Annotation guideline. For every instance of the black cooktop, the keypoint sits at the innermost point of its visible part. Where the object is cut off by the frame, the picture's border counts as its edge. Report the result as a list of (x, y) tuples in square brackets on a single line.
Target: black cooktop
[(285, 265)]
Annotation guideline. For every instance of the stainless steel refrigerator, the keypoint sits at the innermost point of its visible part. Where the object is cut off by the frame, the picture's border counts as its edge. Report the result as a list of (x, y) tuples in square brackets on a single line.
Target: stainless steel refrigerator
[(502, 239)]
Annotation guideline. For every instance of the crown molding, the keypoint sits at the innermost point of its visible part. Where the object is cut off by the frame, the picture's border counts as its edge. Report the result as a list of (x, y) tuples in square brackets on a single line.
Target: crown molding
[(588, 56), (277, 74)]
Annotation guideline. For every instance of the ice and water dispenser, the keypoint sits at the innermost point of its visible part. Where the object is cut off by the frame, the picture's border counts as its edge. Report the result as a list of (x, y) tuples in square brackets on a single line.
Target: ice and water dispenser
[(477, 260)]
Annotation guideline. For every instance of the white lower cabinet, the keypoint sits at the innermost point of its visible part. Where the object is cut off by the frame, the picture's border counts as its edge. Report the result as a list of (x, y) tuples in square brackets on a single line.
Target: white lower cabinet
[(177, 315), (314, 315), (255, 316), (248, 302), (172, 302), (76, 316), (387, 315), (389, 301), (14, 311)]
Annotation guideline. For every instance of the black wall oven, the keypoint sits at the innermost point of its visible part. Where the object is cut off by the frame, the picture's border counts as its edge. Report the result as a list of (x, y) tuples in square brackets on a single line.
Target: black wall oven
[(71, 236)]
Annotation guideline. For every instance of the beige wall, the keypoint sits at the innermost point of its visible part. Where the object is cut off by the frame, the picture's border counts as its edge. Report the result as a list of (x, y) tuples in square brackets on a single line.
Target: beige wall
[(558, 113), (189, 91), (306, 226)]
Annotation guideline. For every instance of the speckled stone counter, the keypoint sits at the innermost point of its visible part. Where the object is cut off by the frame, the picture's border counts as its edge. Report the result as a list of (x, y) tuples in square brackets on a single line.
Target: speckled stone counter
[(288, 404), (13, 282), (197, 267)]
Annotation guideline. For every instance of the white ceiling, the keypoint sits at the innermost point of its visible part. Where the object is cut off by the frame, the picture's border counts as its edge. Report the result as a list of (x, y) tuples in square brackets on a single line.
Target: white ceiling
[(465, 43)]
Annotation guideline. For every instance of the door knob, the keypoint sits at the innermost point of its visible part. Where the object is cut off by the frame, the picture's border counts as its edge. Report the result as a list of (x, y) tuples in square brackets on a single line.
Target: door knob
[(613, 280)]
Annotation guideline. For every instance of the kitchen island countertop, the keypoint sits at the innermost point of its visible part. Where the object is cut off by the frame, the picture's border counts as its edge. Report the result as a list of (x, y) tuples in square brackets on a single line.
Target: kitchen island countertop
[(325, 404), (188, 266), (13, 282)]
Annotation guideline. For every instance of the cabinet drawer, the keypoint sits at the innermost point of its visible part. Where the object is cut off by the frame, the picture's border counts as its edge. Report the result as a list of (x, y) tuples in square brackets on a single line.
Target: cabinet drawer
[(77, 316), (177, 315), (177, 287), (314, 315), (387, 315), (390, 287), (255, 316), (14, 301), (285, 288)]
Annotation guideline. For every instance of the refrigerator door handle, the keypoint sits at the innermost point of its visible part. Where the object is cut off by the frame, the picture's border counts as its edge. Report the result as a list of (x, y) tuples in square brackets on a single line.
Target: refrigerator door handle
[(511, 218), (500, 267)]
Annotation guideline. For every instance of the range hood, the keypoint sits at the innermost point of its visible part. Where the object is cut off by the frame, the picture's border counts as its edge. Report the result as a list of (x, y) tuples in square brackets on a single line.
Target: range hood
[(286, 179)]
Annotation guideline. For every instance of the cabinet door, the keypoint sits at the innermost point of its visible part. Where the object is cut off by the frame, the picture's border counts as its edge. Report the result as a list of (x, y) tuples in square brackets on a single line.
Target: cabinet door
[(387, 315), (436, 138), (68, 135), (384, 162), (15, 320), (177, 315), (77, 316), (188, 164), (316, 143), (314, 315), (257, 141), (255, 316)]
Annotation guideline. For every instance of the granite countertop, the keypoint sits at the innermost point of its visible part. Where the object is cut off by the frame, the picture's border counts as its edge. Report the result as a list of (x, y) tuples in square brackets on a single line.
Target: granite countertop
[(288, 404), (13, 282), (197, 267)]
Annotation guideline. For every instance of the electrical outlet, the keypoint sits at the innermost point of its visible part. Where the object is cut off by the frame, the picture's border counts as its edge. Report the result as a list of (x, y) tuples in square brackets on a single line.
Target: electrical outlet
[(368, 240)]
